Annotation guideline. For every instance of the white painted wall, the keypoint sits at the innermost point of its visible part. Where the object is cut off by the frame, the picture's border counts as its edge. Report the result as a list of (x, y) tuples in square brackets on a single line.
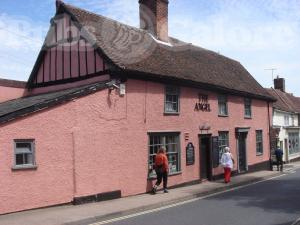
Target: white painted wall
[(288, 123), (279, 118)]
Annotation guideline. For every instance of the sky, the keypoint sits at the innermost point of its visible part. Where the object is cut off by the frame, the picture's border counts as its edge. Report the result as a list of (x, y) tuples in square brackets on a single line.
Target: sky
[(260, 34)]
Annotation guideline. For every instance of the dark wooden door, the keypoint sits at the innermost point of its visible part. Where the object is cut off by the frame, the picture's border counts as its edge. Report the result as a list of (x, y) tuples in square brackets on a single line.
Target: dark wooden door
[(205, 157), (242, 152)]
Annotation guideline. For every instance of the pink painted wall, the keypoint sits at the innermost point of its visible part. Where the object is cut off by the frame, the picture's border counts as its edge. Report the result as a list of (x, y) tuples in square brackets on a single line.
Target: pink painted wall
[(9, 93), (102, 138)]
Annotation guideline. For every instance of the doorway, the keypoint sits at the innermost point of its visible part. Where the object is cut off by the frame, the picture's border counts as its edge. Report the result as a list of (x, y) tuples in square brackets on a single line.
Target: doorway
[(242, 137), (205, 157)]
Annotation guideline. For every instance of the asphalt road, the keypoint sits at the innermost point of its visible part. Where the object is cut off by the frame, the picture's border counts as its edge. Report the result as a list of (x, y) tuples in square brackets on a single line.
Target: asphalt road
[(272, 202)]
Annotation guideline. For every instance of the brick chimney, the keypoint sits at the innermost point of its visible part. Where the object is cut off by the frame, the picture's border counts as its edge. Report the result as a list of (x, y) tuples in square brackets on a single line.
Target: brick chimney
[(58, 3), (279, 83), (154, 18)]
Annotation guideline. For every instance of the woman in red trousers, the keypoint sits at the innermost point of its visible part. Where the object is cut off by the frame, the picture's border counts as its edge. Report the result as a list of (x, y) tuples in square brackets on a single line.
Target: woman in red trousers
[(227, 163)]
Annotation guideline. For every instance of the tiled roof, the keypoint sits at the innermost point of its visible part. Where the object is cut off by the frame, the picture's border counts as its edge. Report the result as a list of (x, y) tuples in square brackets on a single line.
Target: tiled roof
[(12, 83), (285, 101), (16, 108), (135, 50)]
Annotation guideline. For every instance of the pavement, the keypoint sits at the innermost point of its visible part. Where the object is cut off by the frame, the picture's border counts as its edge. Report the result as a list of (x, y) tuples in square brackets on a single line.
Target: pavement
[(100, 211)]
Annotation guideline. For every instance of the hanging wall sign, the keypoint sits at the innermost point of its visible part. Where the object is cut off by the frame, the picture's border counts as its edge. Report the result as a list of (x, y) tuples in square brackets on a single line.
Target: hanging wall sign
[(202, 104), (190, 154)]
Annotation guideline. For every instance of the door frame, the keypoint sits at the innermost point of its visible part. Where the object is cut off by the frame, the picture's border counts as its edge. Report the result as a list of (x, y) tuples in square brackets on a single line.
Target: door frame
[(238, 132), (210, 156)]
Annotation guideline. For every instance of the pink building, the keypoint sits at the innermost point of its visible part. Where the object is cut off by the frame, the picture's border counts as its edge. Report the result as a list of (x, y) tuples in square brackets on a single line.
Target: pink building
[(11, 89), (104, 96)]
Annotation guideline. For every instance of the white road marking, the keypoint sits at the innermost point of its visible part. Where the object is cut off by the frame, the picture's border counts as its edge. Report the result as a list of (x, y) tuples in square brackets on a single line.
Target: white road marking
[(180, 203), (296, 222)]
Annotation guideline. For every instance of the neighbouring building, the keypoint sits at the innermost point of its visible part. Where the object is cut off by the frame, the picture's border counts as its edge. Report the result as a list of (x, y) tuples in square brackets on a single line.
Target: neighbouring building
[(286, 123), (11, 89), (104, 96)]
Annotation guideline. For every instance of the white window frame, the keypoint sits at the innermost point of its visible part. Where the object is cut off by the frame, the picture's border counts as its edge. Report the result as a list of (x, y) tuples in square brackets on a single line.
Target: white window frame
[(286, 120), (160, 140), (24, 151), (259, 142), (293, 120), (248, 107), (223, 141), (172, 92), (293, 137), (222, 102)]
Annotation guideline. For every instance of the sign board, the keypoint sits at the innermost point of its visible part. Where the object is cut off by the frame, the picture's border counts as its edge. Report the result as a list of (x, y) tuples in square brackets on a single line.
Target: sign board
[(190, 154), (215, 151), (202, 104)]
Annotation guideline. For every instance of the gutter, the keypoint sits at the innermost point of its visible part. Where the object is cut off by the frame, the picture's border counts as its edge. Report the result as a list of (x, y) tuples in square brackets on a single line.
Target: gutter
[(183, 82)]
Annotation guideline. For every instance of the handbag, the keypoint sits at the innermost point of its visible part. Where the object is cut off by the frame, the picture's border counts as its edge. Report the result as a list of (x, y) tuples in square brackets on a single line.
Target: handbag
[(159, 169)]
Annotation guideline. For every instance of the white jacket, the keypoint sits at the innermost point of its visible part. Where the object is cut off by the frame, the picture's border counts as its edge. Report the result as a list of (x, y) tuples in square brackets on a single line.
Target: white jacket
[(226, 160)]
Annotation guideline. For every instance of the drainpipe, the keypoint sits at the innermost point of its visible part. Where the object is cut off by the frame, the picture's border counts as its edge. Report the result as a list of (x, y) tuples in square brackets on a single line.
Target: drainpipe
[(270, 142), (74, 166)]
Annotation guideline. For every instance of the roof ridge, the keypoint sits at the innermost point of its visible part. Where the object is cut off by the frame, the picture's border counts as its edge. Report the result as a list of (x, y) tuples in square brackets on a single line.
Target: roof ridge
[(182, 60), (283, 100), (145, 31), (105, 17), (12, 83)]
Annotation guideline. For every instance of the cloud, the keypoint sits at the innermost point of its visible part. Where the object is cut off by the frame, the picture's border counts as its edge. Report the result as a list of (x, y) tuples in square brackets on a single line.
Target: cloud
[(125, 11), (259, 33), (243, 25), (20, 40), (20, 33)]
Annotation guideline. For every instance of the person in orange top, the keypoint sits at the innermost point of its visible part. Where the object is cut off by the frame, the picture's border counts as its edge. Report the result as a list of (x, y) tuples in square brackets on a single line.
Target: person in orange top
[(161, 169)]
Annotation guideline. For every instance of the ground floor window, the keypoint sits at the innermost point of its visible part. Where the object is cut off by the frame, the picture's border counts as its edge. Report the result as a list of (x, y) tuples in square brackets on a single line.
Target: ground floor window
[(170, 141), (293, 143), (223, 142), (259, 142), (24, 153)]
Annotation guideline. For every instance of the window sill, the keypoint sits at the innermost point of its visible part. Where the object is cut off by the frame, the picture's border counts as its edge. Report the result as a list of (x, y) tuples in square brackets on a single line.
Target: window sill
[(248, 117), (222, 115), (171, 113), (170, 175), (27, 167), (259, 154)]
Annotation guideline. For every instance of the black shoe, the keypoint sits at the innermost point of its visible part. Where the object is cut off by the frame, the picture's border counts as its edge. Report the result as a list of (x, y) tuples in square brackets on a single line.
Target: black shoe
[(166, 191), (153, 191)]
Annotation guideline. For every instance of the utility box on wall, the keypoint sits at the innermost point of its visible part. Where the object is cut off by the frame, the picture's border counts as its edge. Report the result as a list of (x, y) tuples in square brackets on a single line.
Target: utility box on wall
[(122, 89)]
